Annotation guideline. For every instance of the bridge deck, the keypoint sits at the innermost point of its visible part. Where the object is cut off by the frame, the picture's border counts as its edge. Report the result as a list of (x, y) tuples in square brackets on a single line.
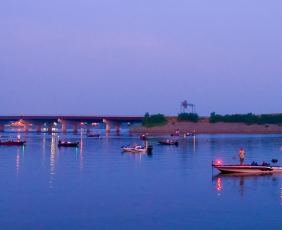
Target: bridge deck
[(78, 118)]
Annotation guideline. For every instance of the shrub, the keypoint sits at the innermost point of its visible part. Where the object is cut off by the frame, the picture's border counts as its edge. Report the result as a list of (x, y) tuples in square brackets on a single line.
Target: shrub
[(188, 117), (215, 118), (154, 120), (247, 118)]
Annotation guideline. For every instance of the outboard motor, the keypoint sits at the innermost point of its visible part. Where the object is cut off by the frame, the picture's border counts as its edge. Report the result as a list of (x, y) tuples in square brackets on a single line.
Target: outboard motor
[(274, 161), (149, 149)]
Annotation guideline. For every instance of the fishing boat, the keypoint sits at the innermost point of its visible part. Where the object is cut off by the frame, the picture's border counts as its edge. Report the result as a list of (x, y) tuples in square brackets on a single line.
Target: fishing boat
[(12, 143), (253, 168), (67, 144), (168, 142), (96, 135), (189, 134), (137, 149)]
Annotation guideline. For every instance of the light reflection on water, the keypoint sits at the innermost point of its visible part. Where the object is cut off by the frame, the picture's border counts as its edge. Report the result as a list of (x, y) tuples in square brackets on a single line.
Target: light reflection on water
[(19, 155), (52, 161), (17, 163), (281, 196), (81, 150), (43, 148), (219, 185), (96, 186)]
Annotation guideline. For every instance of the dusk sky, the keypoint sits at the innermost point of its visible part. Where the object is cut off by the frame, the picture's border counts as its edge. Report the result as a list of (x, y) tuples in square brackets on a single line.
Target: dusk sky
[(130, 57)]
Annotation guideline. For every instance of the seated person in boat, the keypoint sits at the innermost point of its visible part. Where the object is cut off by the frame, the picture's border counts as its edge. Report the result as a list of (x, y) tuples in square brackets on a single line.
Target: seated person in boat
[(254, 163), (265, 164)]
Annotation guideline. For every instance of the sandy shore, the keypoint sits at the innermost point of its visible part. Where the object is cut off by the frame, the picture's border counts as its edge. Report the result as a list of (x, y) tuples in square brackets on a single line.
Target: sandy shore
[(204, 127)]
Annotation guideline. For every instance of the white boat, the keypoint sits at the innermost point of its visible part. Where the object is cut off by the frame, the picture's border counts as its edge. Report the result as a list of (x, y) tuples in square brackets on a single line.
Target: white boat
[(137, 149), (254, 169)]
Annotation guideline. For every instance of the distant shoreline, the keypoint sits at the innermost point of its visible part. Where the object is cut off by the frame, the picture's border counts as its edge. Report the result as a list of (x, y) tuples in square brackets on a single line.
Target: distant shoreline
[(204, 127)]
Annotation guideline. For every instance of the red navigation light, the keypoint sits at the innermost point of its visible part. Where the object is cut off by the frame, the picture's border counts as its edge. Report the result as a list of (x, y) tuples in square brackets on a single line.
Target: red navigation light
[(218, 162)]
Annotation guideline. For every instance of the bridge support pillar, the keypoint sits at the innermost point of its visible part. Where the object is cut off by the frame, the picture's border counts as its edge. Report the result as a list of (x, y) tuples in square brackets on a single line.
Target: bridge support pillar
[(108, 125), (75, 128), (88, 129), (64, 127), (38, 128), (117, 128), (50, 128)]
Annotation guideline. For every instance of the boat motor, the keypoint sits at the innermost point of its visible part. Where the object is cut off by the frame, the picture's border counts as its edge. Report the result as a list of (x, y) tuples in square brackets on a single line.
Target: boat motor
[(149, 149), (274, 161)]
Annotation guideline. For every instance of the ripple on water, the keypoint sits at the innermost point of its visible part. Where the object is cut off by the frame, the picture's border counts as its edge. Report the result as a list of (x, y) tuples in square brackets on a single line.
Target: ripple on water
[(97, 185)]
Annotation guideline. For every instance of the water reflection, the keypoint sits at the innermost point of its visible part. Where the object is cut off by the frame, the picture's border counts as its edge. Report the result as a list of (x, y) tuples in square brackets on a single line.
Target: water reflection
[(219, 185), (241, 186), (281, 196), (18, 158), (167, 178), (194, 143), (52, 162), (20, 151), (137, 156), (239, 181), (43, 148), (81, 163)]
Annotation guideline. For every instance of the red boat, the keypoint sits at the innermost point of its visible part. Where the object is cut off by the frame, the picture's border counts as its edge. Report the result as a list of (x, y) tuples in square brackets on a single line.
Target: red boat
[(12, 143)]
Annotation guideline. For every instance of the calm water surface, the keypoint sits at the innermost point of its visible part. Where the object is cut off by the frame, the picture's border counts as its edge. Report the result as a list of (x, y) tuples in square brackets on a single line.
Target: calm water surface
[(98, 187)]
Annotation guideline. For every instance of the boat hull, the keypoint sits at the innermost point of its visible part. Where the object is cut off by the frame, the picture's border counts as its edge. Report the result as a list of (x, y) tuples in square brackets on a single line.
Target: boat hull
[(94, 135), (129, 150), (75, 144), (147, 150), (257, 169), (12, 143), (168, 143)]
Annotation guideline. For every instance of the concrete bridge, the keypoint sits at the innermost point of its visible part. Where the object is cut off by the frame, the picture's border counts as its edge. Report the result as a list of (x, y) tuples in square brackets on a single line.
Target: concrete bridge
[(62, 122)]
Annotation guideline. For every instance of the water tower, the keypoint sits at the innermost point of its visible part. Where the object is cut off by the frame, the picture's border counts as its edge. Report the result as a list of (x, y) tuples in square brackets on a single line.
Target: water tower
[(187, 107)]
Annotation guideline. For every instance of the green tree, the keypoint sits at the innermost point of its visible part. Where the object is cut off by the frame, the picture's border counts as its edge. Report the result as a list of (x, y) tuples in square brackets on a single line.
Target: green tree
[(188, 117), (154, 120), (249, 118)]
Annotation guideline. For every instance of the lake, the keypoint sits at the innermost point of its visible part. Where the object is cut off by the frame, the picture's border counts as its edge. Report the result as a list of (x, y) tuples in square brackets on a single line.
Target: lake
[(98, 187)]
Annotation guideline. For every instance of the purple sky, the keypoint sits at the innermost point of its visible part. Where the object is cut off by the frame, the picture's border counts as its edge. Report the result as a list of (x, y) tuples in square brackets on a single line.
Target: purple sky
[(130, 57)]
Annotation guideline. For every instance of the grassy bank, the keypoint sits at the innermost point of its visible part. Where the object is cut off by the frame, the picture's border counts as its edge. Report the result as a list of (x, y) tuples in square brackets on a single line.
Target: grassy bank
[(205, 126)]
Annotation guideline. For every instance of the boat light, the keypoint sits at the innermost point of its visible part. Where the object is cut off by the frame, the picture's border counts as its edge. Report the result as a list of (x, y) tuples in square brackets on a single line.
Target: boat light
[(218, 162)]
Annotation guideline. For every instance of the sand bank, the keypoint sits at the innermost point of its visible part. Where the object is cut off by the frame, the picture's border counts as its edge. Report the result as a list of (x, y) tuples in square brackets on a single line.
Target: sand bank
[(204, 127)]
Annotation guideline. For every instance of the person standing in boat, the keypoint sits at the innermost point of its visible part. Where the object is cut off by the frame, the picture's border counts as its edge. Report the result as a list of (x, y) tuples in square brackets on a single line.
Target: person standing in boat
[(242, 154)]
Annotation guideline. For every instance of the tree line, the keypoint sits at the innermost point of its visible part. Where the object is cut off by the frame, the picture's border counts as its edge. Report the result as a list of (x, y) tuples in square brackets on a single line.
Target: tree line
[(160, 119), (249, 118)]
